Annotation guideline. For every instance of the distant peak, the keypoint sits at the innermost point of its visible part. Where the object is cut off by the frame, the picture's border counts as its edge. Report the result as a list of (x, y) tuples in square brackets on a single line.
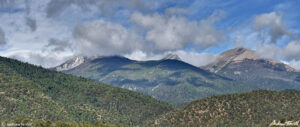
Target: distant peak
[(71, 63), (172, 57), (239, 54)]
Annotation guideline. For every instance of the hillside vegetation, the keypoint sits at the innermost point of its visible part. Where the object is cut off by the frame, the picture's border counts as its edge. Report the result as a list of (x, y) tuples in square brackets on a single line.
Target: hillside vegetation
[(172, 81), (253, 109), (41, 123), (28, 91)]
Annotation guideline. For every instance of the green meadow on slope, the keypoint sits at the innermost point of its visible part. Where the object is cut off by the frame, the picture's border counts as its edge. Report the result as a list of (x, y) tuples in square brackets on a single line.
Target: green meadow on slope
[(28, 91), (253, 109)]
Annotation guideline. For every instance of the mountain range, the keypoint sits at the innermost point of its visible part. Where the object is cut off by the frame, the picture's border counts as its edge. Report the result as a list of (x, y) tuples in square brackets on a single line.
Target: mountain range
[(169, 80), (28, 91), (178, 83)]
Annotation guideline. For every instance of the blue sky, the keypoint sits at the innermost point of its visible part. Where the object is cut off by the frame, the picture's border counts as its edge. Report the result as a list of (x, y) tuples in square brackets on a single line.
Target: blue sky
[(50, 31)]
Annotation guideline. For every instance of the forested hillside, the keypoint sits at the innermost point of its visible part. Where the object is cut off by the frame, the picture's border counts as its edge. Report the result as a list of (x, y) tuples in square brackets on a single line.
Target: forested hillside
[(169, 80), (28, 91), (253, 109)]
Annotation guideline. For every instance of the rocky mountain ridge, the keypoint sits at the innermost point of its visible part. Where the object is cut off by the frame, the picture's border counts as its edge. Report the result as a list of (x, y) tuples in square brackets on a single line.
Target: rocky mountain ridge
[(240, 54)]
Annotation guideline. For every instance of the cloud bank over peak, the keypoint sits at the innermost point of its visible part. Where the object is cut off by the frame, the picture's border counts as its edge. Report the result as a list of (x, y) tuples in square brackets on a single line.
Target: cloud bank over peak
[(175, 32), (152, 36), (105, 38), (191, 57), (148, 29), (289, 53)]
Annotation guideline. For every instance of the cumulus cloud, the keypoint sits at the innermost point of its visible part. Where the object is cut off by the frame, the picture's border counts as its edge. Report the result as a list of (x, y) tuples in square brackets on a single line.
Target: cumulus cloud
[(191, 57), (105, 38), (268, 51), (138, 55), (292, 50), (2, 37), (174, 33), (41, 58), (58, 45), (31, 23), (107, 7), (289, 53), (272, 24), (295, 64), (195, 58)]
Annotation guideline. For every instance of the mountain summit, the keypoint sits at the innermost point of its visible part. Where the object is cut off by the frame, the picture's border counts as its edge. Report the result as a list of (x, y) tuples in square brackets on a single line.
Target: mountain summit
[(71, 63), (247, 66), (172, 57), (74, 62), (239, 55)]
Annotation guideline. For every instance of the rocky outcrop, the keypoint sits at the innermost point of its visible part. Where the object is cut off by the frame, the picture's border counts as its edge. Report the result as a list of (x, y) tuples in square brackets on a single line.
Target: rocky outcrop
[(72, 63), (172, 57)]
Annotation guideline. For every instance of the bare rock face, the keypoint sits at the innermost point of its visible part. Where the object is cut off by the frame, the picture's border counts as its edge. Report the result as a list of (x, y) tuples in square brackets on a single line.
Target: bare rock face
[(238, 55), (172, 57), (72, 63)]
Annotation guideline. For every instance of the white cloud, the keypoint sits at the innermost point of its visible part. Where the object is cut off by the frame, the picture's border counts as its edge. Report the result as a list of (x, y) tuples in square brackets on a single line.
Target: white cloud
[(272, 24), (105, 38), (289, 53), (42, 58), (20, 37), (174, 33), (26, 45), (191, 57), (292, 50), (268, 51), (29, 30), (137, 55), (196, 59), (106, 7), (295, 64)]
